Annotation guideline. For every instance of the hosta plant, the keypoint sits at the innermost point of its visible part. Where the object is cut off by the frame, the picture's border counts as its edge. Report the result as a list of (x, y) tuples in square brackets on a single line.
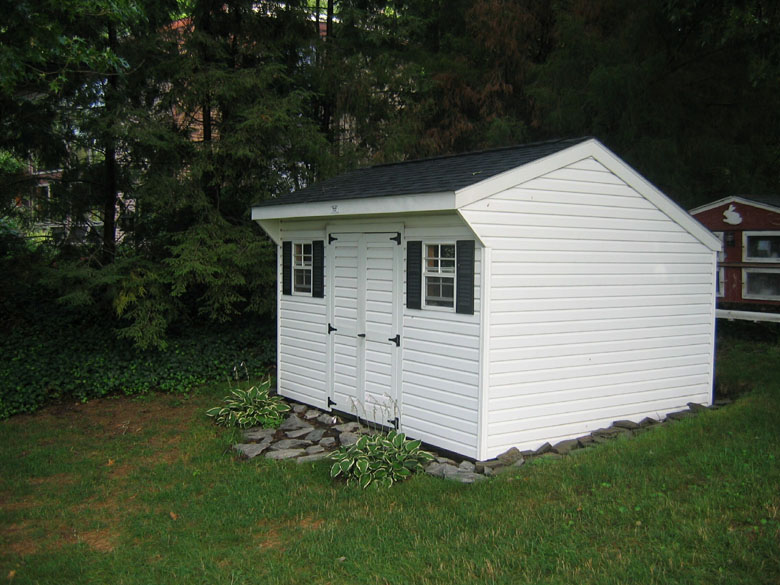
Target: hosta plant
[(254, 407), (379, 459)]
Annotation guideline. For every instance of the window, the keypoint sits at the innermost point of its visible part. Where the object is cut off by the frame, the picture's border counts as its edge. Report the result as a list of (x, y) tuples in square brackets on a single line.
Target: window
[(439, 275), (761, 283), (722, 251), (721, 282), (302, 264), (761, 246)]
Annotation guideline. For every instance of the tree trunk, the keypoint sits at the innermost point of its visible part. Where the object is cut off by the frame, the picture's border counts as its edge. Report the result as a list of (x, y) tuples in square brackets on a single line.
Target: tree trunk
[(111, 189)]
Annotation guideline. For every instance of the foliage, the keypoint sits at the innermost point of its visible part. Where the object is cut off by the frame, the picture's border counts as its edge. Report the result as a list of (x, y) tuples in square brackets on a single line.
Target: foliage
[(253, 407), (379, 459), (61, 353)]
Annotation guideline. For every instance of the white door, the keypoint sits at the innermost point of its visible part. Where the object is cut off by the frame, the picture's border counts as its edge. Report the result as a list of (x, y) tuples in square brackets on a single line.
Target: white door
[(365, 303)]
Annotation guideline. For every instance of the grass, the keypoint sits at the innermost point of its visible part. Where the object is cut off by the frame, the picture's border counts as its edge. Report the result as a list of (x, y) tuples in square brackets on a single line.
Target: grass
[(145, 490)]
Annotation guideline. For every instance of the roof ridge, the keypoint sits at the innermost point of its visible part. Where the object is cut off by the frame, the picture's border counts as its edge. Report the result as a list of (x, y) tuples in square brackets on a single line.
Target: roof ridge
[(476, 152)]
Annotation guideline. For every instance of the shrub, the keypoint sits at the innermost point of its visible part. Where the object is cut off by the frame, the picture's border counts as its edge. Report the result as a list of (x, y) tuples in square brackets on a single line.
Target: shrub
[(254, 407), (379, 459)]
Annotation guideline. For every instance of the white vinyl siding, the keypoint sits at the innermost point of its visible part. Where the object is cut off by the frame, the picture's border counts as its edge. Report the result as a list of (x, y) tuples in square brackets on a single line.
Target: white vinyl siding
[(302, 338), (600, 307), (441, 351)]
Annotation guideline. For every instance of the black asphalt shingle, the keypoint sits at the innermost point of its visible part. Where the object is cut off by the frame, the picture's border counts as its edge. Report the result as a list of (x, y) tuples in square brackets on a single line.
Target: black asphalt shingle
[(431, 175)]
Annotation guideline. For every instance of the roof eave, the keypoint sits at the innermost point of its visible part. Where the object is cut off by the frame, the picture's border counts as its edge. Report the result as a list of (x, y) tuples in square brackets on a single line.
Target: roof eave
[(414, 203), (734, 199)]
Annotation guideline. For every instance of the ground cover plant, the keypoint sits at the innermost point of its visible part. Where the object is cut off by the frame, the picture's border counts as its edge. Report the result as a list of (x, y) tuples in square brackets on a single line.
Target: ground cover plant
[(145, 490), (43, 360)]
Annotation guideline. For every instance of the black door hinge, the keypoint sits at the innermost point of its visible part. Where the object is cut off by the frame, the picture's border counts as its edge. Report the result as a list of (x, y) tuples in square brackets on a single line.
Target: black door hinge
[(331, 329), (394, 422), (331, 402), (396, 339), (331, 239), (396, 238)]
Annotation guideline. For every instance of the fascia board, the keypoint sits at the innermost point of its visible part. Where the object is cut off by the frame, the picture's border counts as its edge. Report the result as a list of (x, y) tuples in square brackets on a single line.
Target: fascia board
[(368, 206), (650, 192), (735, 199)]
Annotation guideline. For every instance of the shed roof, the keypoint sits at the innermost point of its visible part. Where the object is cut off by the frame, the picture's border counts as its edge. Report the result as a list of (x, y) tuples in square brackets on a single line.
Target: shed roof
[(430, 175)]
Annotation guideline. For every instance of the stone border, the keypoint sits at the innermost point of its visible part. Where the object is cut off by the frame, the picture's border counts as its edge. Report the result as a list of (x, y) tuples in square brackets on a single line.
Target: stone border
[(309, 434)]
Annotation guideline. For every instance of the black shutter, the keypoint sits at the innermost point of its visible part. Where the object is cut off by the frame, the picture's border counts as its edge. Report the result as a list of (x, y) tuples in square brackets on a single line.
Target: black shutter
[(464, 303), (317, 272), (413, 275), (286, 268)]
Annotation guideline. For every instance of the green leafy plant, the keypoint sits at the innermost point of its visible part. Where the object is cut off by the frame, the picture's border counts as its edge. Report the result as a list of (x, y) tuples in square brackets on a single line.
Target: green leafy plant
[(250, 408), (379, 459)]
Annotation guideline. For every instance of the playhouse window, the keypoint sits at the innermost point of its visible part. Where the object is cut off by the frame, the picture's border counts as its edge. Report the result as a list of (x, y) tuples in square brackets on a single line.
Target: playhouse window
[(761, 246), (302, 265), (760, 283), (439, 275)]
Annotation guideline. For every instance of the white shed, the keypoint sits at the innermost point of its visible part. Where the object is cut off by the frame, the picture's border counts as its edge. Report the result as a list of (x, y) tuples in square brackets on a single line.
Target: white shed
[(493, 299)]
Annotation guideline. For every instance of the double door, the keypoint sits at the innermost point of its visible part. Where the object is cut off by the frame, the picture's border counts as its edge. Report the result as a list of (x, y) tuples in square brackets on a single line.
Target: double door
[(365, 324)]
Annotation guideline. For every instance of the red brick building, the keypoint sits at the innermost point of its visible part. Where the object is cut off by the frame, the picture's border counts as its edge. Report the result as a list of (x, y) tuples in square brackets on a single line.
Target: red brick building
[(749, 264)]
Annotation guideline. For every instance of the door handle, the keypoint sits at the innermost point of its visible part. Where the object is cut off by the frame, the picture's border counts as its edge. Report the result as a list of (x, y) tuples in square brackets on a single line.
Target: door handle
[(362, 335)]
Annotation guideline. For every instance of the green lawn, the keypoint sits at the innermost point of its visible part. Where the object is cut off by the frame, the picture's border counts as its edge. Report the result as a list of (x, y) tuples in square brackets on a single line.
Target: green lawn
[(146, 491)]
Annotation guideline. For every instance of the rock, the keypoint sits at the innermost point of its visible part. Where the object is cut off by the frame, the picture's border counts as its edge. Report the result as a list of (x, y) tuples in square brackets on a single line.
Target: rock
[(467, 466), (298, 433), (437, 469), (509, 456), (442, 469), (446, 461), (285, 454), (315, 449), (293, 422), (696, 408), (647, 422), (312, 457), (348, 427), (585, 441), (625, 424), (518, 463), (527, 453), (328, 442), (299, 408), (456, 474), (348, 439), (607, 433), (258, 434), (546, 448), (681, 415), (315, 435), (327, 419), (250, 450), (481, 466), (600, 439), (286, 444), (564, 447), (312, 413)]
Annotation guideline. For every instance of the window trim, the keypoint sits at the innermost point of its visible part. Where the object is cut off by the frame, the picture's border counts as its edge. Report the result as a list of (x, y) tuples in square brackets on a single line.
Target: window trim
[(746, 235), (294, 266), (720, 290), (425, 274), (758, 297)]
